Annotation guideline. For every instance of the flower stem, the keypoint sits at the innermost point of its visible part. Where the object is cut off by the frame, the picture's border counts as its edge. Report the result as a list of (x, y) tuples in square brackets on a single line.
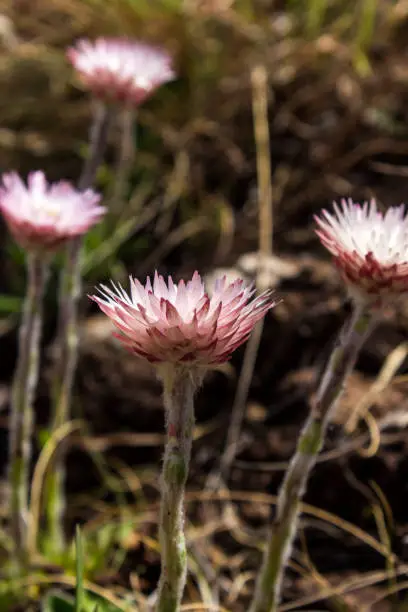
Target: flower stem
[(126, 155), (179, 386), (98, 139), (24, 387), (284, 526), (68, 333)]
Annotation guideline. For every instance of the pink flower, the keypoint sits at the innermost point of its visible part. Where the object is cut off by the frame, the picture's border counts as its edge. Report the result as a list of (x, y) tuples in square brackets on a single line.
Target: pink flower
[(168, 323), (120, 70), (42, 216), (370, 249)]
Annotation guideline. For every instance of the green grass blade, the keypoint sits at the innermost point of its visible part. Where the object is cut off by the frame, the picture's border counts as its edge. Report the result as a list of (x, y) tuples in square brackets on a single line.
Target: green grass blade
[(79, 591), (365, 35), (316, 13)]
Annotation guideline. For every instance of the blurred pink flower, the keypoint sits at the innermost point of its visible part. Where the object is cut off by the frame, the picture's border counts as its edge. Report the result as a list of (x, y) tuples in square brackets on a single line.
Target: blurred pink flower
[(168, 323), (370, 249), (120, 70), (42, 216)]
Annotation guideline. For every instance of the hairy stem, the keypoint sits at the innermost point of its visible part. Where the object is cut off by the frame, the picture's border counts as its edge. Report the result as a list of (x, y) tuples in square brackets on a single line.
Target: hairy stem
[(284, 527), (98, 139), (179, 387), (23, 392), (68, 332), (126, 155)]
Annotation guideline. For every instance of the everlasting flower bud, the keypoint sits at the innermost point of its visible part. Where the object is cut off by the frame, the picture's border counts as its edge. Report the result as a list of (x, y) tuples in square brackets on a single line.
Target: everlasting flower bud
[(44, 216), (370, 249), (119, 70), (169, 323)]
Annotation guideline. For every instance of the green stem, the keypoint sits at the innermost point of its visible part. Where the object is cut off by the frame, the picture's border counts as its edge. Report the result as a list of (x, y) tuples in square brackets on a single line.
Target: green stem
[(68, 334), (126, 155), (179, 386), (98, 139), (23, 392), (283, 530)]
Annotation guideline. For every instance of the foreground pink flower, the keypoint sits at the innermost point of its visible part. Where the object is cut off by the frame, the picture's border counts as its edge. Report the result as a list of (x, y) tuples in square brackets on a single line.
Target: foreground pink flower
[(43, 216), (120, 70), (169, 323), (370, 249)]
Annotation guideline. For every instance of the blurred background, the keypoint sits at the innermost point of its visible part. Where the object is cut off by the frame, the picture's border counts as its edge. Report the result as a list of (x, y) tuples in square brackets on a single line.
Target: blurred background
[(336, 94)]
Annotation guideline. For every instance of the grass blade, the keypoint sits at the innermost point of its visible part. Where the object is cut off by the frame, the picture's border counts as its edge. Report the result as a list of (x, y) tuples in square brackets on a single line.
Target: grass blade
[(79, 591)]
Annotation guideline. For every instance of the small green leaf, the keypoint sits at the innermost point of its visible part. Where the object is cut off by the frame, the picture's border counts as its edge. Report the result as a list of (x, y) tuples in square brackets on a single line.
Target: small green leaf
[(10, 303), (43, 436), (58, 602), (79, 591)]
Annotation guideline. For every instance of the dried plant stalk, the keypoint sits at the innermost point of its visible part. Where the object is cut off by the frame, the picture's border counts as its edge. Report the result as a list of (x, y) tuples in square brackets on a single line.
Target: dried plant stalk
[(259, 78)]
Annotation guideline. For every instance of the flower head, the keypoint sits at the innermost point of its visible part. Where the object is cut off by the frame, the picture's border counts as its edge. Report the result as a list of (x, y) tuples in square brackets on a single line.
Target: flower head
[(42, 216), (169, 323), (120, 70), (370, 249)]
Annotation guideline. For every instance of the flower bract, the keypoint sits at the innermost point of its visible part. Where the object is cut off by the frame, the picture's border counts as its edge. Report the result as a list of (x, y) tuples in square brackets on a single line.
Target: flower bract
[(41, 216), (169, 323), (369, 248), (120, 70)]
